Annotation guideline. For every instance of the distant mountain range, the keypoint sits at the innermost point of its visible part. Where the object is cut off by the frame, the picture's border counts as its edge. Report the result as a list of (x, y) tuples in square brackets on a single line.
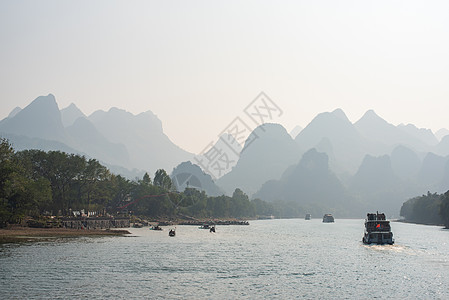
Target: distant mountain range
[(311, 183), (263, 159), (331, 165), (130, 144), (370, 164)]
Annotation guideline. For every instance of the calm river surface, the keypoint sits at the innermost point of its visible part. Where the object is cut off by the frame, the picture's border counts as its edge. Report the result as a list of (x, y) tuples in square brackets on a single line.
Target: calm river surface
[(269, 259)]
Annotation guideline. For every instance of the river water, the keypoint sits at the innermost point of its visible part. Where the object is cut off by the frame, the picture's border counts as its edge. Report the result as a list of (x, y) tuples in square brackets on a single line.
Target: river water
[(269, 259)]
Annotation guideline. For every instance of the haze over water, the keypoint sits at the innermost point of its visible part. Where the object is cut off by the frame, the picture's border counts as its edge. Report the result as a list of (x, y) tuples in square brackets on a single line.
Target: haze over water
[(269, 259)]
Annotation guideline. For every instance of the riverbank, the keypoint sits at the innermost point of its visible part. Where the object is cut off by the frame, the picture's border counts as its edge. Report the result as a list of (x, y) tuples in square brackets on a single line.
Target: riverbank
[(418, 223), (24, 234), (191, 221)]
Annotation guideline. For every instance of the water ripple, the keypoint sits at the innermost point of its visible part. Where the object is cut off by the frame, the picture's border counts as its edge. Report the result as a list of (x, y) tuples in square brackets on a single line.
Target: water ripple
[(259, 261)]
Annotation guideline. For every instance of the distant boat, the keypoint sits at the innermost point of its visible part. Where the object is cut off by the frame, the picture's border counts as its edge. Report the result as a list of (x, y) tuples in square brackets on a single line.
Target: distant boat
[(377, 230), (212, 229), (204, 226), (308, 216), (157, 227), (172, 232), (328, 218)]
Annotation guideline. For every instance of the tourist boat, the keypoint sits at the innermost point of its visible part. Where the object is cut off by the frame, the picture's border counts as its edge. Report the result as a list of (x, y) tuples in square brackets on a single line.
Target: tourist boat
[(157, 227), (204, 226), (308, 216), (172, 232), (377, 230), (328, 218)]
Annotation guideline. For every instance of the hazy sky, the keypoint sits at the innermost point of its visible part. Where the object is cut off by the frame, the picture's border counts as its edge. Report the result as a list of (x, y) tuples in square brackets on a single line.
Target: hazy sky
[(197, 64)]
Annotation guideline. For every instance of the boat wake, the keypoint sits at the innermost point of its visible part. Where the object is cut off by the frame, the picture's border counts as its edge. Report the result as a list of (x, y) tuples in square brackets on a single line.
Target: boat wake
[(386, 247)]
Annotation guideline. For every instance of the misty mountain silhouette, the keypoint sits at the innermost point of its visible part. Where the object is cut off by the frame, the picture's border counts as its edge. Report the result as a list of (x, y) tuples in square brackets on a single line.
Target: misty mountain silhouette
[(387, 136), (87, 139), (374, 174), (441, 133), (191, 175), (376, 183), (405, 162), (21, 142), (14, 112), (265, 158), (148, 147), (444, 184), (380, 164), (424, 135), (432, 171), (40, 119), (443, 147), (313, 185), (295, 131), (226, 144), (349, 147), (111, 137), (70, 114)]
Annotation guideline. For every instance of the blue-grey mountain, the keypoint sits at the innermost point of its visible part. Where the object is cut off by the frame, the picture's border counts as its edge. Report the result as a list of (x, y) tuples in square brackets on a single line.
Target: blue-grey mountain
[(190, 175), (40, 119), (314, 186), (148, 146), (87, 139), (119, 139), (405, 163), (333, 128), (262, 159), (441, 133), (70, 114)]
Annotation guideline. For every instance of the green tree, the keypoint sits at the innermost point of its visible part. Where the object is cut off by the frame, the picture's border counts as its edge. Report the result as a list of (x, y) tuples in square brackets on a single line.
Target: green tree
[(444, 209), (95, 178), (6, 173), (162, 179), (262, 208), (120, 190), (240, 205), (20, 193), (192, 202), (146, 179), (424, 209)]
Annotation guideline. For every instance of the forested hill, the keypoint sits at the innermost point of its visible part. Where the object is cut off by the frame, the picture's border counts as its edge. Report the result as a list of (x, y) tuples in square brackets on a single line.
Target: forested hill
[(431, 209)]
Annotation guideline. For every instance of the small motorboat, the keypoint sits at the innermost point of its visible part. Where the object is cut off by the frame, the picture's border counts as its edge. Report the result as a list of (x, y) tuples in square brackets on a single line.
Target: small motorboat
[(328, 218), (172, 232), (212, 229), (204, 226), (157, 227), (308, 216)]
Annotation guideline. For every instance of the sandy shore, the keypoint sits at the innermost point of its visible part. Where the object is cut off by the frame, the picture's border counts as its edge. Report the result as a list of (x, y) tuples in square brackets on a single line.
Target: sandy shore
[(17, 234)]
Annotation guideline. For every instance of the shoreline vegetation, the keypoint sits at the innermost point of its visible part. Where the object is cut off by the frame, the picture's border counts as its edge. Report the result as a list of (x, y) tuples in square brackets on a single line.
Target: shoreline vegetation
[(60, 190), (40, 185)]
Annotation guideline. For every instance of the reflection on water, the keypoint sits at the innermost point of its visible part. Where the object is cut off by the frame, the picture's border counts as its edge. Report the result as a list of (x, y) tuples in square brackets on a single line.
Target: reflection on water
[(282, 259)]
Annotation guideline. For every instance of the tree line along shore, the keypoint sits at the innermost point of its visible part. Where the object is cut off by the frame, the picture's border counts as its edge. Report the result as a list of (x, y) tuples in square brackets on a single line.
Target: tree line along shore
[(36, 186)]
